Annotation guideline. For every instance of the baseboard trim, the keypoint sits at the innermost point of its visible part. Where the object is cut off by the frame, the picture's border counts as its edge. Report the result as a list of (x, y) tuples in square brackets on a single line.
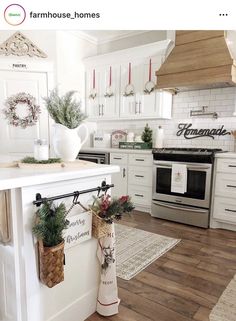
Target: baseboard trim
[(78, 310)]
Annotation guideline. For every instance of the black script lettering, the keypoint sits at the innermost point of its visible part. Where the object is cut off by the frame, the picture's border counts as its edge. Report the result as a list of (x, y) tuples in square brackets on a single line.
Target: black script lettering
[(182, 128), (191, 133)]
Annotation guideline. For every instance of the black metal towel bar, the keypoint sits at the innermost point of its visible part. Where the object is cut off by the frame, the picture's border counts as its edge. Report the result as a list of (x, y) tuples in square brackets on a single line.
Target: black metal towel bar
[(40, 200)]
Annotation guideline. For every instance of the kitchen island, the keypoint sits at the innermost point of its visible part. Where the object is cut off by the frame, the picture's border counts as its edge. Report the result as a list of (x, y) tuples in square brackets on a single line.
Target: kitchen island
[(22, 296)]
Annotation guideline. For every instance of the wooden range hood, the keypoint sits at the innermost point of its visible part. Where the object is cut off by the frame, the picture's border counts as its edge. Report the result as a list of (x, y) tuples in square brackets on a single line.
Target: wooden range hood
[(200, 59)]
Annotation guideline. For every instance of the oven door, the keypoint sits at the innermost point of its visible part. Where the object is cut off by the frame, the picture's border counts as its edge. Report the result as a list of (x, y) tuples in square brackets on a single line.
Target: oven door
[(198, 184)]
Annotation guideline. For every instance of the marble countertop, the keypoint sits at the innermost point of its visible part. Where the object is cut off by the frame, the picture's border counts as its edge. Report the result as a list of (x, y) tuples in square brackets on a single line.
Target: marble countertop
[(18, 177), (225, 155), (116, 150)]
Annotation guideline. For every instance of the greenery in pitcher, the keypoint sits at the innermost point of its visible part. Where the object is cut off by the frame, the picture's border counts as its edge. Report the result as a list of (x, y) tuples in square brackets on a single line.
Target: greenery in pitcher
[(50, 223), (64, 109)]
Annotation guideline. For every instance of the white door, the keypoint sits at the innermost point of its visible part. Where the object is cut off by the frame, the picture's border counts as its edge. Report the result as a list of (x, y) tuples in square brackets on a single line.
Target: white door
[(110, 78), (129, 105), (15, 141)]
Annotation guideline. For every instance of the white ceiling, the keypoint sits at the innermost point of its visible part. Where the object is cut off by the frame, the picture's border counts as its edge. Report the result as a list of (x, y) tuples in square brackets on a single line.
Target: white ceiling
[(102, 36)]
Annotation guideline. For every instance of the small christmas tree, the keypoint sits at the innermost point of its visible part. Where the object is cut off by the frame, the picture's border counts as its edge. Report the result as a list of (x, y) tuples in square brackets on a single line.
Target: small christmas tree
[(147, 135), (51, 223)]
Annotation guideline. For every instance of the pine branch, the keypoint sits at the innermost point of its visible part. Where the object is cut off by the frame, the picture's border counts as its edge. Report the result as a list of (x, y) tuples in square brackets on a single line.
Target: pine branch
[(64, 110)]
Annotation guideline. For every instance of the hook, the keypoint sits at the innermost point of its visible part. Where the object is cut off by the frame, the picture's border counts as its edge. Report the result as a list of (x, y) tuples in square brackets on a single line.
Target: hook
[(99, 190), (76, 196)]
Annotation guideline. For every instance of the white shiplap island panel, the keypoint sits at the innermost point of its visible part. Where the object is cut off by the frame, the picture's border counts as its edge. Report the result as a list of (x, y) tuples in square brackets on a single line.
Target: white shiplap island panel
[(22, 296)]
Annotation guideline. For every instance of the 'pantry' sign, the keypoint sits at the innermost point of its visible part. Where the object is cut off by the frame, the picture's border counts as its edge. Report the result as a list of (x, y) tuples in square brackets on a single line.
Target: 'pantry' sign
[(79, 229)]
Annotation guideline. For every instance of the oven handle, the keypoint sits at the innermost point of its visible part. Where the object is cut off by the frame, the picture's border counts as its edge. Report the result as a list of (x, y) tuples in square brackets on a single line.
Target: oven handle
[(188, 167), (177, 207)]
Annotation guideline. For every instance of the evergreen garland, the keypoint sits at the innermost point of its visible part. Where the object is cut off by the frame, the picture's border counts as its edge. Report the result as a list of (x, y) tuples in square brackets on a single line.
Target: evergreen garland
[(50, 223), (147, 134), (64, 110), (110, 209), (32, 160)]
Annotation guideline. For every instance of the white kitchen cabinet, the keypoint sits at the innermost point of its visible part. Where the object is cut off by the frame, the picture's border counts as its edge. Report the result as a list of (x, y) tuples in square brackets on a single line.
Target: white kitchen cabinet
[(223, 213), (120, 180), (157, 104), (104, 105), (130, 106), (134, 179)]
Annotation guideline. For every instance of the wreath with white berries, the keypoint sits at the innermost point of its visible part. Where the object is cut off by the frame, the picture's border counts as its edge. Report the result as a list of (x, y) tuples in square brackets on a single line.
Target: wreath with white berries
[(10, 111)]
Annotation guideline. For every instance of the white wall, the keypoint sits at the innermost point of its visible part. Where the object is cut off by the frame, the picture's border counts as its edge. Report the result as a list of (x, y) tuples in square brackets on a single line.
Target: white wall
[(132, 41), (65, 50), (221, 100), (71, 50)]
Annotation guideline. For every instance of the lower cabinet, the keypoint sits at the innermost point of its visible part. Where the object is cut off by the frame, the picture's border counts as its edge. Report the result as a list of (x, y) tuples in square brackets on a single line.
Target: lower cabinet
[(223, 214), (134, 179)]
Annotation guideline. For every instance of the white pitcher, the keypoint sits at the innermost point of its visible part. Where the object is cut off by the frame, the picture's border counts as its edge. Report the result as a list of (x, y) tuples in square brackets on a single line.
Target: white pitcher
[(66, 141)]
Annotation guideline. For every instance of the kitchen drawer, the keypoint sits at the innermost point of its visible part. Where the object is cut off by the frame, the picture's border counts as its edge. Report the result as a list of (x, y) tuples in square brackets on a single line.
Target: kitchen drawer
[(140, 160), (226, 166), (139, 175), (116, 158), (141, 195), (224, 209), (225, 185)]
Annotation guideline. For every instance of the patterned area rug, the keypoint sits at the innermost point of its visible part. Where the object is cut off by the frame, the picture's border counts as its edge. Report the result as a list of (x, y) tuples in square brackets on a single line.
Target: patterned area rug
[(136, 249), (225, 308)]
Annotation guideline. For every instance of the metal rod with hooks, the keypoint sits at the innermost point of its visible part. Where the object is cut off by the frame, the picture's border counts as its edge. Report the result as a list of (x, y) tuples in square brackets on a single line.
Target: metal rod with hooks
[(40, 200)]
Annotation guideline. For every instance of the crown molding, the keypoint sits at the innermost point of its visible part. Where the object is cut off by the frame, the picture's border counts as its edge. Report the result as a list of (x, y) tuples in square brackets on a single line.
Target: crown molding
[(83, 35)]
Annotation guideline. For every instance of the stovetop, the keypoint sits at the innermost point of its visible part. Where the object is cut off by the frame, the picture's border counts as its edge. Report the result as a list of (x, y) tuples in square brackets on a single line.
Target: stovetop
[(199, 155)]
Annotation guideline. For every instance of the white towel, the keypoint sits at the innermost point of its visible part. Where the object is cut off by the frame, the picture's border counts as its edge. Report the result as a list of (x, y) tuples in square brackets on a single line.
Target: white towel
[(4, 217), (108, 301), (179, 178)]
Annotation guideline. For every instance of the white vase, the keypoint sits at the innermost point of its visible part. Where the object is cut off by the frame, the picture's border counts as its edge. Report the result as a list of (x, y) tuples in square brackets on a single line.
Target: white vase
[(66, 141)]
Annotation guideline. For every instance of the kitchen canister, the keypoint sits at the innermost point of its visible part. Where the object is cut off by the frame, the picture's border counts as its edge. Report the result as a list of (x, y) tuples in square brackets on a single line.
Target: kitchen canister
[(159, 138)]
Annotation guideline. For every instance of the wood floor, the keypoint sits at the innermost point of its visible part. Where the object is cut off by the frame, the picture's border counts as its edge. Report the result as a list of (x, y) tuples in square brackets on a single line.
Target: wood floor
[(186, 282)]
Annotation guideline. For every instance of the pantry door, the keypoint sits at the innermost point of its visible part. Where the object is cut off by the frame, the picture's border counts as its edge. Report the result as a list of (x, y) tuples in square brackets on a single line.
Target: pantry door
[(16, 142)]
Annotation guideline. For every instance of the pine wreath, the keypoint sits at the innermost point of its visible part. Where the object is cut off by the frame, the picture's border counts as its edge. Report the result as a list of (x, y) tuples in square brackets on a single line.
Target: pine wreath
[(11, 111)]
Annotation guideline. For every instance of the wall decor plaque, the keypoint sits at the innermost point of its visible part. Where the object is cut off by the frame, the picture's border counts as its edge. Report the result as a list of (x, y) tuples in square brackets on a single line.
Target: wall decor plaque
[(188, 132), (20, 45)]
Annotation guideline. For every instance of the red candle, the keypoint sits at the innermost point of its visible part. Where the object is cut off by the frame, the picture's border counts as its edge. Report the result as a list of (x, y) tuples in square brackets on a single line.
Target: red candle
[(93, 78), (110, 78), (150, 69), (129, 73)]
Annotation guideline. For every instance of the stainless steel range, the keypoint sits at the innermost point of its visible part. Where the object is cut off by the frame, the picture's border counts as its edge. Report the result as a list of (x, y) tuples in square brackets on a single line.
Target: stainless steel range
[(193, 205)]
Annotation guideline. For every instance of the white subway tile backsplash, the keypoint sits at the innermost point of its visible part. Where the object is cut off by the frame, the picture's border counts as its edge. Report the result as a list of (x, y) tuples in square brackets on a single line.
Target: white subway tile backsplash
[(220, 100)]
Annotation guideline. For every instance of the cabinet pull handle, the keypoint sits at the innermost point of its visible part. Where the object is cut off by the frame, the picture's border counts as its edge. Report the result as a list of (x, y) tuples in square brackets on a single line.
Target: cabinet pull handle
[(139, 159), (136, 109), (102, 110), (231, 186), (231, 165), (139, 104), (117, 158), (228, 210), (99, 110), (139, 176), (139, 195), (123, 172)]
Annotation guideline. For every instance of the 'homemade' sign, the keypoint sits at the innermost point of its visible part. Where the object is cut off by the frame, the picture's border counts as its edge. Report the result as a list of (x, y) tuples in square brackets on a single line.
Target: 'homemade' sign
[(79, 229), (188, 132)]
